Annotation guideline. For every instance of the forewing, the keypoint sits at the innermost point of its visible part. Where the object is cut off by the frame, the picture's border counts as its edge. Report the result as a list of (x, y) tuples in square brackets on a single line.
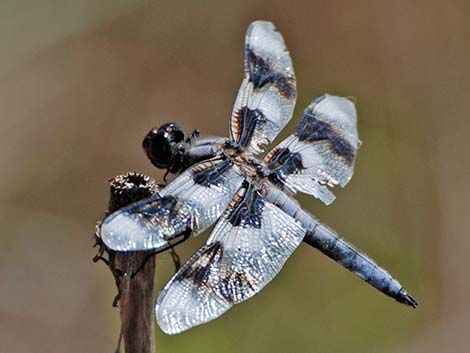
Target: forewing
[(322, 151), (190, 203), (247, 248), (267, 95)]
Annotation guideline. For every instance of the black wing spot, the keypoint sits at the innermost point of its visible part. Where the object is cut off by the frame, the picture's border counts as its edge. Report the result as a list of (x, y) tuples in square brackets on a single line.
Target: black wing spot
[(212, 175), (249, 120), (284, 163), (235, 285), (285, 86), (283, 157), (311, 129), (198, 273), (248, 211), (163, 205), (261, 73)]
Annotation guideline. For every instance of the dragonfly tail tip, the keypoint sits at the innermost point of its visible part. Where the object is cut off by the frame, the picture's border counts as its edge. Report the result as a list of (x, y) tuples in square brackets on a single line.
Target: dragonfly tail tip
[(405, 298)]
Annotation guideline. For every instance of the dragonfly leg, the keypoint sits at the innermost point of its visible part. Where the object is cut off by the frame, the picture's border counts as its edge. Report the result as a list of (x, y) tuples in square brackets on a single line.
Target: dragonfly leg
[(176, 259), (193, 135), (185, 235)]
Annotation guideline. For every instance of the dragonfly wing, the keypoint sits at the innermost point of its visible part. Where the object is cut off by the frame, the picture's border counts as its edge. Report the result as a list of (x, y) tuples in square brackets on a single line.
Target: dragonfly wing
[(247, 248), (322, 151), (267, 95), (190, 203)]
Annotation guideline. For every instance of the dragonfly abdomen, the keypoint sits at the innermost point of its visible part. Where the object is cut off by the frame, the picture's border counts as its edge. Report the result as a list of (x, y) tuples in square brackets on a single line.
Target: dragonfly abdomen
[(329, 243)]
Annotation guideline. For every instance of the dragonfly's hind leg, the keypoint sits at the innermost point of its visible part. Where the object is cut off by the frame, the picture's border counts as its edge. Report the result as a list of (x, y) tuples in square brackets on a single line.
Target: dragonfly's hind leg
[(175, 256), (176, 259)]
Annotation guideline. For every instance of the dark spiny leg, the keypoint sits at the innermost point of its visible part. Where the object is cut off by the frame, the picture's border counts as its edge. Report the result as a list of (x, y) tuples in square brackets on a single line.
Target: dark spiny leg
[(186, 235), (142, 265), (176, 259), (177, 161), (117, 274), (99, 256), (117, 297), (101, 247), (166, 174), (170, 168), (110, 262), (195, 134)]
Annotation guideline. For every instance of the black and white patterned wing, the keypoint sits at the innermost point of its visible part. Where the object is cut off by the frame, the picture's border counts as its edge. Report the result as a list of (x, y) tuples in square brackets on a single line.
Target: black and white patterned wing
[(267, 95), (321, 152), (190, 203), (247, 248)]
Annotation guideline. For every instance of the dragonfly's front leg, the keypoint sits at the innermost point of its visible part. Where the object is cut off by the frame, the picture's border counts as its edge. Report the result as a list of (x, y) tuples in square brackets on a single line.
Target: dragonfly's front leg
[(192, 136)]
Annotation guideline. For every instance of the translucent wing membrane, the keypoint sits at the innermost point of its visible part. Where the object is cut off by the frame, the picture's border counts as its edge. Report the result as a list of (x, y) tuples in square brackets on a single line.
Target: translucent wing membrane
[(320, 153), (190, 203), (247, 248), (267, 96)]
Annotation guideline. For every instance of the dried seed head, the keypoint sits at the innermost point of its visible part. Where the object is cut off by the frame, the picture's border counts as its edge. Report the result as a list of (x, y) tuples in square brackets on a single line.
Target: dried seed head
[(129, 188)]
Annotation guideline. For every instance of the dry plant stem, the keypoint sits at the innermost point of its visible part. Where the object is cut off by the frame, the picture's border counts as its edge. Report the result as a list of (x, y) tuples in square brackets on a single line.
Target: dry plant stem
[(136, 303), (135, 292)]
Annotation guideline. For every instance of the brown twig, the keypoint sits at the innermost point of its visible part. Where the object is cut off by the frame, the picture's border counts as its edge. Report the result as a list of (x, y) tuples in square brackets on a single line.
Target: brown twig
[(136, 303), (135, 296)]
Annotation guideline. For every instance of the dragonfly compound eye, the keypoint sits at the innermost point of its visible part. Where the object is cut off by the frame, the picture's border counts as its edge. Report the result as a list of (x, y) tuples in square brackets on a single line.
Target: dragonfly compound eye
[(162, 144)]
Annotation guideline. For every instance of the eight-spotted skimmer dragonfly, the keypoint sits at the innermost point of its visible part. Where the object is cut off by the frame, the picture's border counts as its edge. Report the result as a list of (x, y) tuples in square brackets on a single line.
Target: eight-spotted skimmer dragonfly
[(258, 223)]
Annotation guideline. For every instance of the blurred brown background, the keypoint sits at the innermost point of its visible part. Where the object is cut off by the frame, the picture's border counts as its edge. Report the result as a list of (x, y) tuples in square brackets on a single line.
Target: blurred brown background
[(81, 82)]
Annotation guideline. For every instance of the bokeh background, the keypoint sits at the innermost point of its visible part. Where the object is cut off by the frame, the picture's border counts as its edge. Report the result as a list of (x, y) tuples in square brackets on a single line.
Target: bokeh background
[(81, 82)]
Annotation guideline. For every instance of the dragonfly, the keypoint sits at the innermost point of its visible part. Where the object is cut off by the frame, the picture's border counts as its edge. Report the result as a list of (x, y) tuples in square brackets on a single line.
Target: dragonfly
[(222, 181)]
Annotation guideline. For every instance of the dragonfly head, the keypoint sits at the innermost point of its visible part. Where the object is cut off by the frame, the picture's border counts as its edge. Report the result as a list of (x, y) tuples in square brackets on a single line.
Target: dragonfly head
[(164, 146)]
